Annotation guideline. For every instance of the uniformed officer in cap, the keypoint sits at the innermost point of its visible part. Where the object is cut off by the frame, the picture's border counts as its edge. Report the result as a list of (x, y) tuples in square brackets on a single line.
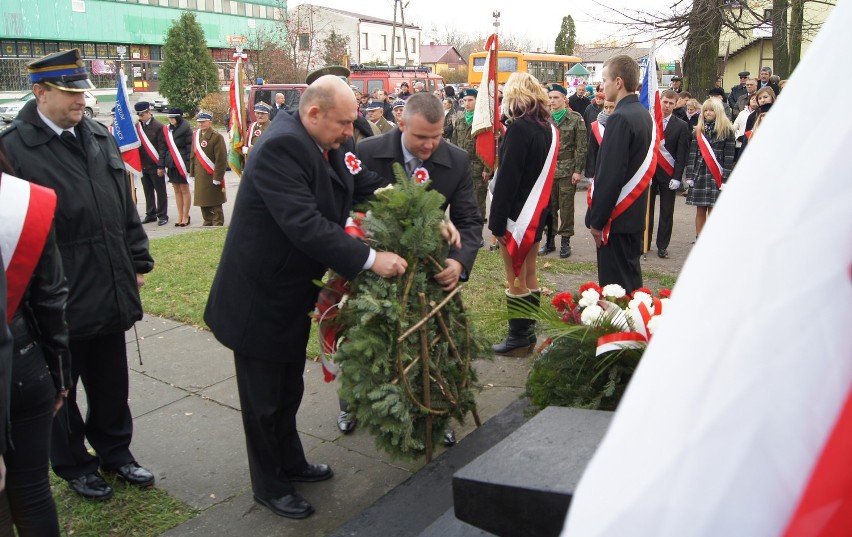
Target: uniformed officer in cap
[(398, 107), (738, 91), (677, 84), (105, 254), (261, 113), (376, 115), (480, 174), (208, 162), (153, 153)]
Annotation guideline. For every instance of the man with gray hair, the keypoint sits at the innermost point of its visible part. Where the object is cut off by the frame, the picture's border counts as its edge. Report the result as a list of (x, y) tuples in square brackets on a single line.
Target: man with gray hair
[(763, 81)]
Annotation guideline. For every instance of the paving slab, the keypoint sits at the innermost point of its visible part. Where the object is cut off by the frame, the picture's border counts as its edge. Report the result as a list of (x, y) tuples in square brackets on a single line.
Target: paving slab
[(224, 393), (149, 394), (358, 482), (149, 326)]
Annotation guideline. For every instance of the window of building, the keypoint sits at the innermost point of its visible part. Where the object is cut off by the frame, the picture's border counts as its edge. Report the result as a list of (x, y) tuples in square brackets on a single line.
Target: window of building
[(217, 6), (226, 7), (191, 4), (365, 38), (156, 53), (174, 3), (413, 47), (241, 8), (164, 3), (767, 15), (398, 44), (208, 5), (256, 11), (304, 41), (102, 50), (384, 42), (182, 4)]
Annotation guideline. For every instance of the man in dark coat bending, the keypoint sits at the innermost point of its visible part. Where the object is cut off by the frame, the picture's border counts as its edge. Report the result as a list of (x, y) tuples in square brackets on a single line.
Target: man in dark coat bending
[(286, 230), (629, 132)]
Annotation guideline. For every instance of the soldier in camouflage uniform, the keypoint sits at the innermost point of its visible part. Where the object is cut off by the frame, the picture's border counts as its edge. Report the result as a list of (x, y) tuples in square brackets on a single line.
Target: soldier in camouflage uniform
[(479, 172), (573, 146)]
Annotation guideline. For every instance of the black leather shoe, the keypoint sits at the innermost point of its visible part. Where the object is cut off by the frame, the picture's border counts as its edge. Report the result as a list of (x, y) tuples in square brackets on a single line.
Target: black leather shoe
[(290, 506), (663, 253), (135, 475), (312, 473), (163, 221), (345, 422), (91, 486), (149, 219), (449, 437)]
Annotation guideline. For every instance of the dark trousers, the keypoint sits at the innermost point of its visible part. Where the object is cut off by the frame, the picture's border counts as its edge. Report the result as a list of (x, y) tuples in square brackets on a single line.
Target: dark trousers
[(101, 363), (151, 184), (27, 501), (667, 204), (270, 395), (213, 215), (618, 261)]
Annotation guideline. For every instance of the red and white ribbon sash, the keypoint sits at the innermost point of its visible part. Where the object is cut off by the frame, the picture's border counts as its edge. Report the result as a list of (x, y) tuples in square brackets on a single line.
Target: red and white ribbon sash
[(26, 214), (146, 143), (202, 157), (665, 160), (629, 340), (520, 234), (173, 149), (635, 186), (250, 138), (710, 159), (590, 192), (598, 131)]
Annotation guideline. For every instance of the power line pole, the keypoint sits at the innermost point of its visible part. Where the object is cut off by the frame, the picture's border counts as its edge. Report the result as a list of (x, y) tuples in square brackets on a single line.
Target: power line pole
[(393, 34), (404, 39)]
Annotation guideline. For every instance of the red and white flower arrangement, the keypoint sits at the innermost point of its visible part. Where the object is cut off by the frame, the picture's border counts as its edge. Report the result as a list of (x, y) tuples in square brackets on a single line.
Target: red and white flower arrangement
[(353, 163), (421, 175)]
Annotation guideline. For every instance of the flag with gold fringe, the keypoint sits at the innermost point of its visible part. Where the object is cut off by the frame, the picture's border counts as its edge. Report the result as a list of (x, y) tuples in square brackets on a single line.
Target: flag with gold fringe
[(237, 116)]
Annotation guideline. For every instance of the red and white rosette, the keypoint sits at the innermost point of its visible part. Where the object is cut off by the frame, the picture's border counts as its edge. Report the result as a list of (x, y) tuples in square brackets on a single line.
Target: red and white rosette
[(421, 175), (352, 163)]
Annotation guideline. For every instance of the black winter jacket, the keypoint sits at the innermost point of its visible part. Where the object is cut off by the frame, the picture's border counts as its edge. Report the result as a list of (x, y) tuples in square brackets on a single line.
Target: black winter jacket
[(101, 241), (182, 133)]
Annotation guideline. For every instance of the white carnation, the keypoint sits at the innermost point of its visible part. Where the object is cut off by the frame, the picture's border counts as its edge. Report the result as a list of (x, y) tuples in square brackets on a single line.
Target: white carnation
[(613, 290), (654, 323), (591, 315), (588, 298), (382, 189), (642, 298)]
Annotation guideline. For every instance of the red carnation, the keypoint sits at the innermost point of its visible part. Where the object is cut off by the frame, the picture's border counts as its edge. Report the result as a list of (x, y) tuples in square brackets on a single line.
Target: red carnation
[(665, 293), (563, 302), (591, 285), (643, 290)]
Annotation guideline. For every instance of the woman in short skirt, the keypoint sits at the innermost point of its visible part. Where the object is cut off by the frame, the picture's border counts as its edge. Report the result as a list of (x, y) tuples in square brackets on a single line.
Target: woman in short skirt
[(719, 131)]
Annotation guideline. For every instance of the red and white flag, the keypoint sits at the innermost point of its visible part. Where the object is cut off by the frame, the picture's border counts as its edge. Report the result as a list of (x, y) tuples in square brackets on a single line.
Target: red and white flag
[(486, 114), (744, 427)]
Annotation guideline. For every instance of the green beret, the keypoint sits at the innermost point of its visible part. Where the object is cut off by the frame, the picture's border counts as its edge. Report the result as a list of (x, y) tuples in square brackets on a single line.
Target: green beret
[(336, 70), (557, 87), (469, 92)]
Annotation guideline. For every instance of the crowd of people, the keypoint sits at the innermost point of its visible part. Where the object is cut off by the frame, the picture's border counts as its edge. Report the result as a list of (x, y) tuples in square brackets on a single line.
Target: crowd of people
[(66, 309)]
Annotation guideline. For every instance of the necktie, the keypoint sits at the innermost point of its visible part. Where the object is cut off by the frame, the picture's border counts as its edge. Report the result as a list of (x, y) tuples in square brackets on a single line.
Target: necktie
[(412, 165), (71, 141), (325, 153)]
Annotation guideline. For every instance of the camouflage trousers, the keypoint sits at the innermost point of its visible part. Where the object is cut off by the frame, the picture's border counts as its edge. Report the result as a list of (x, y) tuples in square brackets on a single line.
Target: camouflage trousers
[(480, 189), (562, 200)]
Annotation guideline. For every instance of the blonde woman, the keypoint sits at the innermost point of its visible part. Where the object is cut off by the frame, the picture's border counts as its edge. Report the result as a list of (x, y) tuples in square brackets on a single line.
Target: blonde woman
[(523, 154), (711, 158)]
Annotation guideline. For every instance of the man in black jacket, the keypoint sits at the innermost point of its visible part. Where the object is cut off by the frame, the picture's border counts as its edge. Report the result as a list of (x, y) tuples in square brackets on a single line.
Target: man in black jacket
[(736, 92), (620, 172), (763, 81), (105, 255), (669, 172), (153, 153), (287, 228)]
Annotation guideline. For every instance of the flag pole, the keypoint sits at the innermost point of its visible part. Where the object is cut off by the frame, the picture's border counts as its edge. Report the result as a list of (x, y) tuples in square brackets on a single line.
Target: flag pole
[(646, 236)]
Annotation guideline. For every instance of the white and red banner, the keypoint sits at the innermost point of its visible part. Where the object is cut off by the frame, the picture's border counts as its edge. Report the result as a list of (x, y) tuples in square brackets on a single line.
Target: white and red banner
[(205, 161), (175, 152), (26, 214), (710, 158), (598, 130), (149, 148), (520, 234), (746, 429), (486, 114)]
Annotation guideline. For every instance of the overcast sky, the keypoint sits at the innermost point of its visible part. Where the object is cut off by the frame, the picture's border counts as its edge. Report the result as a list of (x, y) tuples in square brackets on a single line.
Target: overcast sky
[(536, 19)]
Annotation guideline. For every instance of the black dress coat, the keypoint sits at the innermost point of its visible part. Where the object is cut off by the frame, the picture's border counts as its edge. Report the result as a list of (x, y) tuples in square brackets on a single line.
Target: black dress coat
[(628, 136), (102, 243), (286, 230), (449, 171)]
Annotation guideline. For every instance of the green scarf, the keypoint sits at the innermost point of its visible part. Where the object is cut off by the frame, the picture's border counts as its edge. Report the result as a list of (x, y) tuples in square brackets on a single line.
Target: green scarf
[(468, 117), (557, 116)]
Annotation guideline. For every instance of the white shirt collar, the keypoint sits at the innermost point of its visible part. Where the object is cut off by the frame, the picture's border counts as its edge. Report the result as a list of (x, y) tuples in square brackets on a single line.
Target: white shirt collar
[(53, 126), (406, 155)]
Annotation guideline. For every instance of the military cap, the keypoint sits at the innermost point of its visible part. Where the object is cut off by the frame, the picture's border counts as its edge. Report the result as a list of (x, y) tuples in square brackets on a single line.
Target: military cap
[(716, 91), (374, 104), (677, 79), (469, 92), (112, 112), (142, 106), (336, 70), (744, 74), (557, 87), (204, 115), (262, 107), (175, 112), (399, 103), (62, 70)]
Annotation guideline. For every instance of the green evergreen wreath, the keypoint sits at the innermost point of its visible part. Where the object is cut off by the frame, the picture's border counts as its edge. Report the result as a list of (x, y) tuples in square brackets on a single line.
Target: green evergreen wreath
[(399, 329)]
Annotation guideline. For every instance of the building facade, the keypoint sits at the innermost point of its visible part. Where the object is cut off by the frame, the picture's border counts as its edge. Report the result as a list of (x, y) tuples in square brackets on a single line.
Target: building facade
[(98, 27)]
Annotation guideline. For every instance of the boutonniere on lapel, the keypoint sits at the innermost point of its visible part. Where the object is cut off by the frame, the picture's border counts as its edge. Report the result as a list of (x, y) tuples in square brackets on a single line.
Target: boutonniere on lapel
[(203, 143), (352, 163), (421, 175)]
